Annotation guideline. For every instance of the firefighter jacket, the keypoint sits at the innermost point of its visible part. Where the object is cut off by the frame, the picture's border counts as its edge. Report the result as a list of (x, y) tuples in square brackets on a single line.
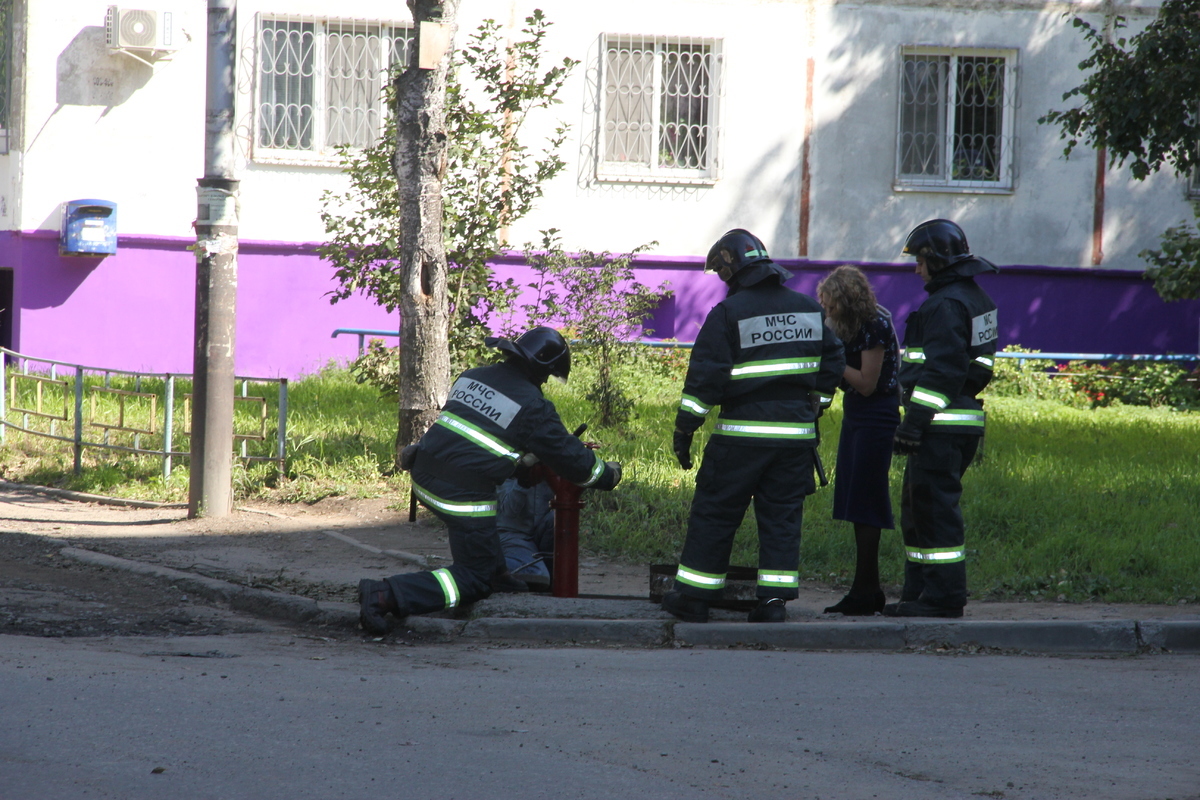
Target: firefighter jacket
[(765, 356), (949, 352), (493, 417)]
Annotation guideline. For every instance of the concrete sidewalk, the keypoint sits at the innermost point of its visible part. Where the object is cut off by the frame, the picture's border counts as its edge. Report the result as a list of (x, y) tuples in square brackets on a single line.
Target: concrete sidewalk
[(540, 619), (302, 565)]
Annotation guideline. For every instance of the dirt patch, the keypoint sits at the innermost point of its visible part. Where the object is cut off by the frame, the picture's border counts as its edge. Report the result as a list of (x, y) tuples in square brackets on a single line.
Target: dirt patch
[(44, 594)]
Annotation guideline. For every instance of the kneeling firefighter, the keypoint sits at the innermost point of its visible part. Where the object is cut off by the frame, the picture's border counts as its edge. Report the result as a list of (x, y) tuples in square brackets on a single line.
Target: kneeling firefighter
[(765, 356), (494, 416)]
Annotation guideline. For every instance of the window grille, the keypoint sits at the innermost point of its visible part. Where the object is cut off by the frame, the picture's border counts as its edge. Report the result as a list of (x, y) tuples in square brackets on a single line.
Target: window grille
[(659, 108), (6, 53), (321, 81), (956, 119)]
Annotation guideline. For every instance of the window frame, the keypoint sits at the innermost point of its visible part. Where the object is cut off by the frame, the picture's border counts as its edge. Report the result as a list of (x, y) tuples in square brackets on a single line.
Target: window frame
[(651, 172), (321, 153), (1007, 165)]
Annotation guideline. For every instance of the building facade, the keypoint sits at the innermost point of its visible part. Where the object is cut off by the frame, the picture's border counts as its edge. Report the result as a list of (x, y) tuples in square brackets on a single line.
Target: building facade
[(827, 128)]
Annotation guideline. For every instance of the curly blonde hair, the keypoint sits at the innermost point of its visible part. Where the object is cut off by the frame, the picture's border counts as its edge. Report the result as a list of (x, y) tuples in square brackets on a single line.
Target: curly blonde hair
[(848, 299)]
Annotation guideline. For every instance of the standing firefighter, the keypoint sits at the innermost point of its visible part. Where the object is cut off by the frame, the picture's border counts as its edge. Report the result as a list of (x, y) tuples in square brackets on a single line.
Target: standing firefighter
[(949, 350), (495, 415), (765, 356)]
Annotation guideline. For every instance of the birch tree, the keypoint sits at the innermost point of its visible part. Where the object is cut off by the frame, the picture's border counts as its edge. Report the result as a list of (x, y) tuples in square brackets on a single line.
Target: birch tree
[(420, 163)]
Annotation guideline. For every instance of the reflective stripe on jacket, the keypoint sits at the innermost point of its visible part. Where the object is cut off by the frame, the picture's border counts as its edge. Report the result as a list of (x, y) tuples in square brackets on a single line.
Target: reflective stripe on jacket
[(494, 415), (765, 356), (949, 351)]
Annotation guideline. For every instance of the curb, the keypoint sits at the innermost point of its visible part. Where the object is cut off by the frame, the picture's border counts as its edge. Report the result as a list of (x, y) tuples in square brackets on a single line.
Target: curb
[(1099, 637), (630, 632), (68, 494)]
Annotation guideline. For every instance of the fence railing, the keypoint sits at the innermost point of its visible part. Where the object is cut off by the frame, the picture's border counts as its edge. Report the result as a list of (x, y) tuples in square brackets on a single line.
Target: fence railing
[(1022, 356), (362, 334), (134, 412)]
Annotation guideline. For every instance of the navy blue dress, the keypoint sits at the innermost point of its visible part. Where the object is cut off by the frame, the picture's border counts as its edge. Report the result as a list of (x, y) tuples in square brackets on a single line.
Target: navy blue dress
[(861, 491)]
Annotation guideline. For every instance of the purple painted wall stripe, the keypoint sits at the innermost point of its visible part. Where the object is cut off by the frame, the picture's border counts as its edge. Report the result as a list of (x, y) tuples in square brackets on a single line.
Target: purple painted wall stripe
[(134, 310)]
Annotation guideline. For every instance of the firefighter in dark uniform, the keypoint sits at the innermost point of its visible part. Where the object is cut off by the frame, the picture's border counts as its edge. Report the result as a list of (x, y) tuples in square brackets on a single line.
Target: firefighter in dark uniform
[(765, 356), (949, 352), (494, 417)]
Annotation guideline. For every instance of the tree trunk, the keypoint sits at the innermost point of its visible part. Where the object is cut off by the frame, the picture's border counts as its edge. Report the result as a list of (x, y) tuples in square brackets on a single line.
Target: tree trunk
[(420, 164)]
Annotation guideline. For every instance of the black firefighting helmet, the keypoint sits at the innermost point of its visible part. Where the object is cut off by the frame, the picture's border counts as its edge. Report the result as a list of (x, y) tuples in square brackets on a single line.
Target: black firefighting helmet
[(733, 252), (940, 241), (544, 351)]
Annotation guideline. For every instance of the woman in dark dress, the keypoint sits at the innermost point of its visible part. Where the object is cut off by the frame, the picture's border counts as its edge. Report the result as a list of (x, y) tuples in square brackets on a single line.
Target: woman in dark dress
[(871, 412)]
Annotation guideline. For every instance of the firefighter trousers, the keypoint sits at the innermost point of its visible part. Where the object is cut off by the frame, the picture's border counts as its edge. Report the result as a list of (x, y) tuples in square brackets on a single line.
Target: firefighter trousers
[(777, 479), (931, 521), (474, 547)]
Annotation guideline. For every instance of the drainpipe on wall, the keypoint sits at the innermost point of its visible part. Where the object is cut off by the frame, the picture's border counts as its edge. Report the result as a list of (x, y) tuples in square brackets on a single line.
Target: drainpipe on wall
[(210, 486), (805, 159), (1101, 162), (810, 70), (1098, 207)]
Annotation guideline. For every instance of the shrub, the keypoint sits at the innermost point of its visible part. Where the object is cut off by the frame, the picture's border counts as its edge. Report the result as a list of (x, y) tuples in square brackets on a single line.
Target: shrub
[(379, 366), (1134, 383), (1028, 377)]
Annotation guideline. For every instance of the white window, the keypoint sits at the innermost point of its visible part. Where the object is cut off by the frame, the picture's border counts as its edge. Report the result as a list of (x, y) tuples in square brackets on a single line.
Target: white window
[(956, 114), (659, 109), (320, 84)]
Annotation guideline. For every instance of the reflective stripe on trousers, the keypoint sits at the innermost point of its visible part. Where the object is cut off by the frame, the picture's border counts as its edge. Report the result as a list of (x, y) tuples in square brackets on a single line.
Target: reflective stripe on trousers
[(936, 555), (462, 508)]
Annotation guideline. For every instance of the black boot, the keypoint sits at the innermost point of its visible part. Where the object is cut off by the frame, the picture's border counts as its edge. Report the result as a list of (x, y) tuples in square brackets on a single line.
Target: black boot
[(853, 605), (770, 609), (918, 608), (505, 583), (688, 609), (375, 601)]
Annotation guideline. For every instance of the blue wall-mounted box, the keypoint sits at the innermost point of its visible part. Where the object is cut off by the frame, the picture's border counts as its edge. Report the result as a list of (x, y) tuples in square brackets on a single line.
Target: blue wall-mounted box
[(89, 228)]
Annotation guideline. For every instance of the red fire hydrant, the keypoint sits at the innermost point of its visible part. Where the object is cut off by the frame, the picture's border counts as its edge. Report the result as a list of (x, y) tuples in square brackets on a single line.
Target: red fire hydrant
[(568, 499)]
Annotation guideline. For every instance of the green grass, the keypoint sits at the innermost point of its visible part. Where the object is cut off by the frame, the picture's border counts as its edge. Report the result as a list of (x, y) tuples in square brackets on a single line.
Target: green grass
[(1063, 502)]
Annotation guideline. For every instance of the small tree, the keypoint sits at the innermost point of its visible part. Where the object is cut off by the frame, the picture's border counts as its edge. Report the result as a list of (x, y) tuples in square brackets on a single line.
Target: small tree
[(489, 180), (597, 300), (1175, 269), (1140, 102)]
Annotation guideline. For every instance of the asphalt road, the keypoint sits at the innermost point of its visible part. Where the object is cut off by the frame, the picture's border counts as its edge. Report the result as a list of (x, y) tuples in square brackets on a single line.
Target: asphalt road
[(288, 714)]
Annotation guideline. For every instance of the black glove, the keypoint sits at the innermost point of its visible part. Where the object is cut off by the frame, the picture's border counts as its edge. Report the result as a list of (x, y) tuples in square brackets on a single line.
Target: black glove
[(682, 445), (907, 440), (525, 474), (616, 471), (408, 457)]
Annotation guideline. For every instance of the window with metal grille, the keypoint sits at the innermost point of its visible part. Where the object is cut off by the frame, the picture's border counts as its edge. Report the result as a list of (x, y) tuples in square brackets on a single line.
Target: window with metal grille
[(320, 83), (956, 119), (659, 108)]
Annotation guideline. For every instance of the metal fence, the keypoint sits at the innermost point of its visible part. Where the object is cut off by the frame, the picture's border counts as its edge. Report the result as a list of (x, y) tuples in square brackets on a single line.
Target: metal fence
[(133, 412), (364, 333)]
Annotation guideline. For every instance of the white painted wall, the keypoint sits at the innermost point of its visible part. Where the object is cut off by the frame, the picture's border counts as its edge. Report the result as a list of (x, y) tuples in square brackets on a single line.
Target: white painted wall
[(1047, 219), (103, 125), (100, 124)]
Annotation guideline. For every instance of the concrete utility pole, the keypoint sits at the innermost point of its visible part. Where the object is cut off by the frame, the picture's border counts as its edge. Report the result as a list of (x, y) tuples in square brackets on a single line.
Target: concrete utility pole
[(210, 491)]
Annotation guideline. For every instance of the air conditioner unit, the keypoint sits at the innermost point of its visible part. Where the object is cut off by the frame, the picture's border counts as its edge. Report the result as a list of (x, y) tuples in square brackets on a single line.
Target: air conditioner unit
[(139, 29)]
